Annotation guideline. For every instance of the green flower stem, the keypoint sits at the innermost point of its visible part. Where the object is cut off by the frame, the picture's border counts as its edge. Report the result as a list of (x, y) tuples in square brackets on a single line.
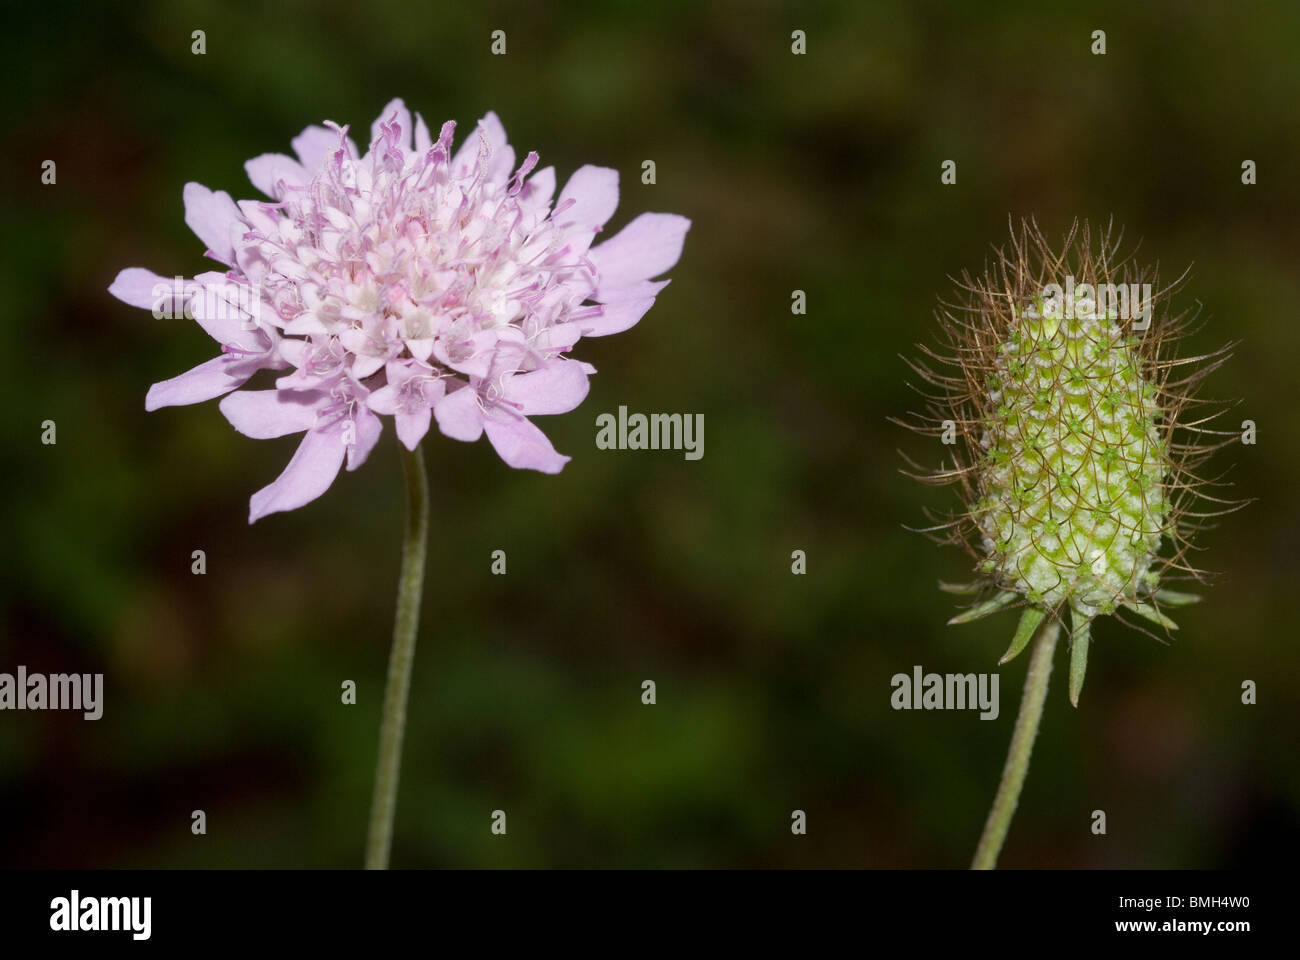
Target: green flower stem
[(1022, 743), (410, 588)]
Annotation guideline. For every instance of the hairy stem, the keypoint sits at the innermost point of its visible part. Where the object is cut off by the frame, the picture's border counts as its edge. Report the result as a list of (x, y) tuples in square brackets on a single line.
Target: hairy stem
[(410, 587), (1022, 744)]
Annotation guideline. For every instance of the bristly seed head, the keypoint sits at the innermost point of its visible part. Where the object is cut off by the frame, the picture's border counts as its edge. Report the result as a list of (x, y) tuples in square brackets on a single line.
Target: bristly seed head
[(1059, 379)]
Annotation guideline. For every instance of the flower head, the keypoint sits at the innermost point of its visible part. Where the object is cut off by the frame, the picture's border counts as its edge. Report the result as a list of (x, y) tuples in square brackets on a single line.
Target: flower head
[(1076, 460), (410, 282)]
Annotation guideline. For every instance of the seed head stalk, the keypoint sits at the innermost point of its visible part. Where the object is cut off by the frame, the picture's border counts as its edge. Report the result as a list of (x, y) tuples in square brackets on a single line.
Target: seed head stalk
[(1022, 744)]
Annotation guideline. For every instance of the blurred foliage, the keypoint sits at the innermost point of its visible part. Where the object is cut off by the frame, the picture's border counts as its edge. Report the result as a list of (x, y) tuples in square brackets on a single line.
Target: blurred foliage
[(818, 172)]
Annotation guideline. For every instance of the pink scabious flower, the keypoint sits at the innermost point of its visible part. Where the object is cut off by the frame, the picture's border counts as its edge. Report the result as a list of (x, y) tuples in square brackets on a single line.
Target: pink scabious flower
[(408, 282)]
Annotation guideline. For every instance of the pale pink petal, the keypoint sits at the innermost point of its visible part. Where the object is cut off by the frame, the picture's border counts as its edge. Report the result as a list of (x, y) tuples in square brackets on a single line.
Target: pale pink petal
[(264, 414), (218, 309), (267, 171), (501, 156), (307, 378), (261, 217), (594, 192), (209, 379), (422, 139), (305, 323), (313, 144), (366, 428), (459, 415), (143, 288), (645, 248), (640, 290), (363, 365), (403, 122), (385, 400), (296, 352), (411, 427), (472, 357), (211, 215), (616, 317), (556, 388), (313, 468), (522, 446), (538, 189), (420, 349)]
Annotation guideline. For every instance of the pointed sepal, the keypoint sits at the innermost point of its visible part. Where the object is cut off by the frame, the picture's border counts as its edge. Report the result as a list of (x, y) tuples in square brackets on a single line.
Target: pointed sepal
[(1176, 599), (1082, 630), (984, 609), (1151, 613), (1029, 622)]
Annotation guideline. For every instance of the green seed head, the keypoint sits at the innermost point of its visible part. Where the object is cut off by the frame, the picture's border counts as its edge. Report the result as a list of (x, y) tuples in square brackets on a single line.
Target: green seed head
[(1063, 398), (1072, 461)]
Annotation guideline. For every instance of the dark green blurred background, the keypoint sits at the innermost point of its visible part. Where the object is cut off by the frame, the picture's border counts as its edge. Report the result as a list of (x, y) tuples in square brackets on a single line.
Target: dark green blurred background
[(818, 172)]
